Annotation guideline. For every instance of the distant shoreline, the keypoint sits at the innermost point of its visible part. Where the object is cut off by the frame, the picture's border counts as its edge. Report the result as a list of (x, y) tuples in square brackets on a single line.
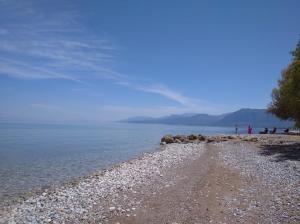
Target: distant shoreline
[(258, 118)]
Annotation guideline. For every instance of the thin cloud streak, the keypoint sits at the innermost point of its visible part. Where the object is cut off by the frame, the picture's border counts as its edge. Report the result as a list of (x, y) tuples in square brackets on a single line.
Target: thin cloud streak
[(166, 92), (34, 43), (19, 69), (162, 90), (186, 104), (46, 106)]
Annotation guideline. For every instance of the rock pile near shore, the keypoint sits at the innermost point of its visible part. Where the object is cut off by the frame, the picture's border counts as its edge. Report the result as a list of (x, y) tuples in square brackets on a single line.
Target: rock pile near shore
[(168, 139), (193, 138)]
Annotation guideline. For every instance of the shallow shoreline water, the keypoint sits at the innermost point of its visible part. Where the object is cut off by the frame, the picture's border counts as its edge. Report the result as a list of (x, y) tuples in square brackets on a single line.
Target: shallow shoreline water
[(11, 200), (36, 156)]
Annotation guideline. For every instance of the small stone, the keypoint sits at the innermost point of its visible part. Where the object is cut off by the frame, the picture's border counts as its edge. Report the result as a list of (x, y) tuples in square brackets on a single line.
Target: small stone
[(112, 209), (177, 141)]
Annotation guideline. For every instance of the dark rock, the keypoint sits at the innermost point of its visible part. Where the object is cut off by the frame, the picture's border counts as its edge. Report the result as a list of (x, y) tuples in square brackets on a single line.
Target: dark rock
[(182, 138), (201, 138), (208, 140), (192, 137), (167, 139), (254, 139)]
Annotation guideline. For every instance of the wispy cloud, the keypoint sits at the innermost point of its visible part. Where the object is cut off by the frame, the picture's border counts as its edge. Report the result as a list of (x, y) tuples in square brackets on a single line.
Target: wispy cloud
[(166, 92), (161, 90), (37, 45), (42, 46), (19, 69), (46, 106), (185, 104)]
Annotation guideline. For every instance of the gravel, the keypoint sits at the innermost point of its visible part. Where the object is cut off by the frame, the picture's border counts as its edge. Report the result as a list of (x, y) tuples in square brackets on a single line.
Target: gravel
[(274, 187), (97, 197)]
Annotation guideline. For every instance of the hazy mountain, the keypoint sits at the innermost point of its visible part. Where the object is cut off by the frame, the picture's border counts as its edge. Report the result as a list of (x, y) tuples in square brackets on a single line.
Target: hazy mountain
[(242, 117), (195, 119), (255, 117), (138, 119)]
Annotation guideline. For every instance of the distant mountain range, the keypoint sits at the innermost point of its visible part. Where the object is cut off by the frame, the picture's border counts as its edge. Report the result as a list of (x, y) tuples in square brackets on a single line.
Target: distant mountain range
[(242, 117)]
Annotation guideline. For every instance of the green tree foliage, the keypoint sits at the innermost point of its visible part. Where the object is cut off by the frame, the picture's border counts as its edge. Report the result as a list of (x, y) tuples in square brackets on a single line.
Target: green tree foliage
[(286, 97)]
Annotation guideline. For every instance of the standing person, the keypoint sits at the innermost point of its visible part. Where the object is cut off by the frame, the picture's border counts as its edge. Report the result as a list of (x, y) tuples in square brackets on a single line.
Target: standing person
[(236, 129), (249, 129)]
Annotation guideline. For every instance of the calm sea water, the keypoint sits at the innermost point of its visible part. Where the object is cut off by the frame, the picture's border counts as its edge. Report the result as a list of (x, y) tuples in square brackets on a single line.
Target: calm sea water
[(34, 156)]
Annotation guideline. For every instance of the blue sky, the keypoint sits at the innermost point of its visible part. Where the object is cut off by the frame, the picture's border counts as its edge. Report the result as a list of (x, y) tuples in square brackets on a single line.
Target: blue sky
[(93, 61)]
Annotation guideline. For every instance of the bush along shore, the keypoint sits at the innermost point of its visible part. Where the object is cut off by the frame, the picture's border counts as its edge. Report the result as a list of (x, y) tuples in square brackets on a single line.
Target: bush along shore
[(193, 179)]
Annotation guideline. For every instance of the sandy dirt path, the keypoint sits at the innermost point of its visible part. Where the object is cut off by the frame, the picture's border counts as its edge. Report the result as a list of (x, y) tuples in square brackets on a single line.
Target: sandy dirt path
[(197, 195), (209, 191)]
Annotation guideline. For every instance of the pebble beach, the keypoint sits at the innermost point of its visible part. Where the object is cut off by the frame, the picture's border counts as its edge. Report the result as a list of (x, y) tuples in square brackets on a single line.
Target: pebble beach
[(221, 179)]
